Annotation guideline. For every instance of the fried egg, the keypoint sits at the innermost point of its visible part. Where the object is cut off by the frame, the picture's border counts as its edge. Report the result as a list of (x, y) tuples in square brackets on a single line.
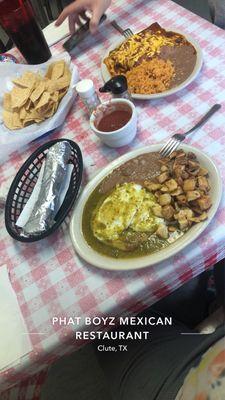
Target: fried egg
[(117, 211), (128, 206), (144, 219)]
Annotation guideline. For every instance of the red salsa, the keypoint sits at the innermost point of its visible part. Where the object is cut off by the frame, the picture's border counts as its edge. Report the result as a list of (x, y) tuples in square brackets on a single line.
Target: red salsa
[(114, 120)]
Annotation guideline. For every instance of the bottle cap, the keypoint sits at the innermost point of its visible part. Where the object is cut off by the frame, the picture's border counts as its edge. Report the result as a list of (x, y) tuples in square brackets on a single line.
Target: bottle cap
[(116, 85), (85, 88)]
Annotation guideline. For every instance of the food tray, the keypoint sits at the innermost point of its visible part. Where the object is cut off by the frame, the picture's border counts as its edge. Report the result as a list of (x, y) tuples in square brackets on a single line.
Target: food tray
[(24, 182)]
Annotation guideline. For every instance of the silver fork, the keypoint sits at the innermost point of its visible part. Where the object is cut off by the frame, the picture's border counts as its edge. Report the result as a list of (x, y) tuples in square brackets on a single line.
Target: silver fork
[(126, 32), (173, 143)]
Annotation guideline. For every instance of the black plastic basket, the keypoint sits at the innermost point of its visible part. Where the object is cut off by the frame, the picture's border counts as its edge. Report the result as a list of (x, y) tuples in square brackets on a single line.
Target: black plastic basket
[(24, 182)]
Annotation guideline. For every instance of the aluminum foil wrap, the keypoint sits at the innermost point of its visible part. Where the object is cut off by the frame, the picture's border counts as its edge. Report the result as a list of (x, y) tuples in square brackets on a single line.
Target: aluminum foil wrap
[(45, 208)]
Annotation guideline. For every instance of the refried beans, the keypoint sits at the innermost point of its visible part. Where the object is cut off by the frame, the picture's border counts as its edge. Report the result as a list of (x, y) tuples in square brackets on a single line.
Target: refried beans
[(138, 169)]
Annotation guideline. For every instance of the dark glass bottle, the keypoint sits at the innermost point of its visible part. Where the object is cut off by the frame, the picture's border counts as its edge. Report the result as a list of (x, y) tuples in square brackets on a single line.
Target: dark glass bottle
[(117, 86), (18, 20)]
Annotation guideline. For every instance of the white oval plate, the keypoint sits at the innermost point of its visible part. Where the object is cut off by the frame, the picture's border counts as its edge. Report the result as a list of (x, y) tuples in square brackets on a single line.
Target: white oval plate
[(109, 263), (106, 75)]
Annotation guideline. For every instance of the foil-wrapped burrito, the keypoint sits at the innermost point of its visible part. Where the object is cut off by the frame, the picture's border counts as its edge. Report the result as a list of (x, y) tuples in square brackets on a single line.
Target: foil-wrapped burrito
[(46, 205)]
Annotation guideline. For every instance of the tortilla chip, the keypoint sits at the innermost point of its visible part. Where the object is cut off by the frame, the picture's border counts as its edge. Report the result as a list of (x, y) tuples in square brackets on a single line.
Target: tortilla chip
[(62, 93), (8, 119), (36, 94), (58, 70), (23, 113), (17, 123), (44, 99), (27, 80), (62, 83), (19, 96), (28, 104), (7, 102), (35, 98)]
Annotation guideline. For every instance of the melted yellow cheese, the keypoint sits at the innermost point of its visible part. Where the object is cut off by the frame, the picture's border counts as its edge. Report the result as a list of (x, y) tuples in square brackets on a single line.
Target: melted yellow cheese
[(138, 47)]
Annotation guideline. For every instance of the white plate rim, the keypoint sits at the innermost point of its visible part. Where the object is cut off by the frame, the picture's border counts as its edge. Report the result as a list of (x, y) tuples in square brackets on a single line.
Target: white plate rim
[(106, 75), (126, 264)]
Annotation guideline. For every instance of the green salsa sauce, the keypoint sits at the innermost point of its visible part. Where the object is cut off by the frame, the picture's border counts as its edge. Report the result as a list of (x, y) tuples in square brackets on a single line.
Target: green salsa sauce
[(152, 244)]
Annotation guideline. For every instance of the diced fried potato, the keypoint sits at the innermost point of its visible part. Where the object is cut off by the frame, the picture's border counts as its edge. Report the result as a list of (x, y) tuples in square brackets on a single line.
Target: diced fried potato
[(157, 210), (172, 229), (183, 224), (163, 177), (203, 183), (179, 162), (204, 203), (173, 155), (177, 192), (192, 195), (168, 212), (185, 175), (193, 164), (157, 194), (181, 199), (193, 172), (189, 185), (164, 168), (162, 231), (186, 213), (179, 170), (152, 186), (165, 199), (191, 156), (183, 195), (180, 153), (164, 161), (203, 171), (200, 218), (180, 181), (171, 184), (177, 206), (164, 189), (197, 210)]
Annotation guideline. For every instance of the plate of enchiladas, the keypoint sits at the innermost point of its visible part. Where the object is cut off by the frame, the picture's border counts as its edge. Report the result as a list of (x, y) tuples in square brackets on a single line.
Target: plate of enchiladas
[(155, 61)]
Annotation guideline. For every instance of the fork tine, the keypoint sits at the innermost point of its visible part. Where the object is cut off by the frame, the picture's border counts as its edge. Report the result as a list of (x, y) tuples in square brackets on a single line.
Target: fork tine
[(172, 147), (128, 32), (176, 145), (169, 149), (165, 147)]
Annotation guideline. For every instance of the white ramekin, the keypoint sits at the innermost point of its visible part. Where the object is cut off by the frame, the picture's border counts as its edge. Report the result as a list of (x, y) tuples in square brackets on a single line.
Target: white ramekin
[(121, 136)]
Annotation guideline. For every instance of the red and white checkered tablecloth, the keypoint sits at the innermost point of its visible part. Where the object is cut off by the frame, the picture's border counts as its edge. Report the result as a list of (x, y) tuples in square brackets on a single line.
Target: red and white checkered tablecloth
[(48, 276)]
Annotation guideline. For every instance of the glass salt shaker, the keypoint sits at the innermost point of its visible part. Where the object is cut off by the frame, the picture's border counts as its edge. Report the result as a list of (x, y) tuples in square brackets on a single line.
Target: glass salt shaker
[(117, 86), (86, 90)]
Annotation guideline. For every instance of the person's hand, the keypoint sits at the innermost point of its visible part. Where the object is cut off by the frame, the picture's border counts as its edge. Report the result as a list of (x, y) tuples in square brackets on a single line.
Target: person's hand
[(77, 9)]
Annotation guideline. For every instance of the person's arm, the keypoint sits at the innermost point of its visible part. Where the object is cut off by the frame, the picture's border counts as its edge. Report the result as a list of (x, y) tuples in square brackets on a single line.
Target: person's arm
[(77, 9)]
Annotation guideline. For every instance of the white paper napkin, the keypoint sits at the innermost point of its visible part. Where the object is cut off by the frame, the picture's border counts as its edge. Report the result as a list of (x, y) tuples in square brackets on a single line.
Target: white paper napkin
[(53, 34), (14, 338)]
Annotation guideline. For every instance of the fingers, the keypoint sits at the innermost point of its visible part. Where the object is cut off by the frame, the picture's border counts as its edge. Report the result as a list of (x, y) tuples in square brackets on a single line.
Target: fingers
[(72, 22), (77, 9), (97, 13), (72, 9), (84, 16), (98, 9)]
